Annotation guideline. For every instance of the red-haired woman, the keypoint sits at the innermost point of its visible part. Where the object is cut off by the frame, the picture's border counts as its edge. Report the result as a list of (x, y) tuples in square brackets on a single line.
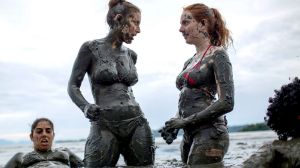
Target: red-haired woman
[(207, 74)]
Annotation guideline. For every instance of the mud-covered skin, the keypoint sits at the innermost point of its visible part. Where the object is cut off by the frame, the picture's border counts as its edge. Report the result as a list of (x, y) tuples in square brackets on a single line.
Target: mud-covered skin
[(112, 72), (201, 115), (59, 158), (197, 103), (118, 125), (107, 140), (206, 146)]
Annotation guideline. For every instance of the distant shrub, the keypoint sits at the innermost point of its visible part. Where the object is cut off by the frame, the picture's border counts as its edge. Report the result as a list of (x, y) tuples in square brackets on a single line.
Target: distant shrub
[(283, 112), (255, 127)]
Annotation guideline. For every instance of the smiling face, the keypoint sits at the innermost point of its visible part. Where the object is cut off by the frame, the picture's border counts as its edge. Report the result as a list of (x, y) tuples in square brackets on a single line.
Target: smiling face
[(42, 136), (132, 28), (190, 28)]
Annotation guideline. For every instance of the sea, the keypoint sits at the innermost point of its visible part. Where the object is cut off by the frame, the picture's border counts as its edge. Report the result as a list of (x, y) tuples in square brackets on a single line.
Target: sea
[(242, 146)]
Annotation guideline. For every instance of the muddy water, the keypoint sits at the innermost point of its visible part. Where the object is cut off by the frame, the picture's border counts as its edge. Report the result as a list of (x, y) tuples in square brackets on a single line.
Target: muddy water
[(242, 145)]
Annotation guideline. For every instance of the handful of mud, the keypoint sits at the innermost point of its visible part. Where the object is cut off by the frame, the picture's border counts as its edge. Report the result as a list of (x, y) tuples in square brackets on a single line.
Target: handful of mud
[(169, 135)]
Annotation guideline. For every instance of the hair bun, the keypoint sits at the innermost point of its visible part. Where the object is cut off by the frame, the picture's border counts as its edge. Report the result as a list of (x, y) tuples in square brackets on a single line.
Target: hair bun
[(113, 3)]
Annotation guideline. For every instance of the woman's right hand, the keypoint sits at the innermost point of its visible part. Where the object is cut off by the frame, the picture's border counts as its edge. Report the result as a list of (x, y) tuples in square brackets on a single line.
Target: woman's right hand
[(92, 112), (168, 134)]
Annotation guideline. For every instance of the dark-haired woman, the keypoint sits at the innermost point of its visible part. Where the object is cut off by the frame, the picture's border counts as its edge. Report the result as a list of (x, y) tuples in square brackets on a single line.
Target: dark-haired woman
[(206, 74), (118, 125), (42, 135)]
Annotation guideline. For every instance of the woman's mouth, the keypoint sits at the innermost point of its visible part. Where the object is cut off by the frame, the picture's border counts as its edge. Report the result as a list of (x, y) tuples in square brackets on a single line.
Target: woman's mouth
[(185, 35), (44, 141)]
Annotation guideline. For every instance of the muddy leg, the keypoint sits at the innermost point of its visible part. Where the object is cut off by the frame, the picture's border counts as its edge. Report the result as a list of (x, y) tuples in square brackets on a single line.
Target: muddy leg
[(101, 149), (209, 146), (140, 151), (185, 147)]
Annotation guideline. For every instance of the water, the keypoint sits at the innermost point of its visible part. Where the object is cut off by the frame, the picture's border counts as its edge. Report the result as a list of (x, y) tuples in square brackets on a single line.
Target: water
[(242, 145)]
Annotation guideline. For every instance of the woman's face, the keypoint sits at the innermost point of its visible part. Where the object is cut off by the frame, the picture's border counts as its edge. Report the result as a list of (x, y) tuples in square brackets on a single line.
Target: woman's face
[(132, 28), (42, 136), (190, 28)]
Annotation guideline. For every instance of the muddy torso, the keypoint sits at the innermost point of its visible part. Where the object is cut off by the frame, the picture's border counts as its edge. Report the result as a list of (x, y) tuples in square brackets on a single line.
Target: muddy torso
[(197, 85), (111, 66), (112, 72)]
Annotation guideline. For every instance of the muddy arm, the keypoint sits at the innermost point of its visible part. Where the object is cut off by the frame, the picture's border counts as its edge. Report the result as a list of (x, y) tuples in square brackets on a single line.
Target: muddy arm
[(79, 70), (15, 161), (224, 80), (75, 161)]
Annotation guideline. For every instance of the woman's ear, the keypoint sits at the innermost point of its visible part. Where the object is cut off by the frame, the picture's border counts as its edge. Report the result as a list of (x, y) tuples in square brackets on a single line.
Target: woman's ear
[(30, 136), (202, 25), (203, 22), (118, 18)]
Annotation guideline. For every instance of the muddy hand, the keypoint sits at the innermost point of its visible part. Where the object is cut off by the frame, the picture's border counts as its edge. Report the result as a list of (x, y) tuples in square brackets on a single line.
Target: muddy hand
[(92, 112), (168, 134), (175, 123)]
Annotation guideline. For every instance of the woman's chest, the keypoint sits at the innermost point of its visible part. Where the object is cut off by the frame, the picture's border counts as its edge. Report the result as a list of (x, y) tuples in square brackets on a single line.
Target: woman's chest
[(112, 66), (198, 75), (34, 158)]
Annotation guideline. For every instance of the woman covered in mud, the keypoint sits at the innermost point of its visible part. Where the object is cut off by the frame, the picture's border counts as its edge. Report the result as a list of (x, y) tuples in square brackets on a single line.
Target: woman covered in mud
[(42, 135), (283, 117), (118, 125), (204, 75)]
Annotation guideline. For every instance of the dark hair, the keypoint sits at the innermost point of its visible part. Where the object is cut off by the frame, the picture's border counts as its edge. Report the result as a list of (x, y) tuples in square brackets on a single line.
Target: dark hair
[(122, 7), (283, 113), (38, 120), (219, 34)]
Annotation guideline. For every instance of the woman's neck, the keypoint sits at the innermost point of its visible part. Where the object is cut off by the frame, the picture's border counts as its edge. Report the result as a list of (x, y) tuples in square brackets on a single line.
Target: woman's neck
[(201, 47), (113, 39)]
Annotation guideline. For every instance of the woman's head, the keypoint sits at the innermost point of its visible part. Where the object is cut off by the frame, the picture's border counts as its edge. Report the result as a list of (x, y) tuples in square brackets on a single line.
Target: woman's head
[(205, 21), (42, 134), (283, 113), (125, 18)]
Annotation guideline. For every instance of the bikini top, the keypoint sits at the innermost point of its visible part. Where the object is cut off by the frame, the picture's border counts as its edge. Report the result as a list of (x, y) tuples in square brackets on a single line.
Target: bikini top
[(202, 74), (112, 67)]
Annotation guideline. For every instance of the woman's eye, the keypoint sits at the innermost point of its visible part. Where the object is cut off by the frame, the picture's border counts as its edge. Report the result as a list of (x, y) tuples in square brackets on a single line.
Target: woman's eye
[(49, 131), (38, 131), (184, 23)]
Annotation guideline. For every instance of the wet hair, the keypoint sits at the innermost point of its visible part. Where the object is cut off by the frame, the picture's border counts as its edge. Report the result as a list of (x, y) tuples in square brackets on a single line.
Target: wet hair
[(283, 113), (38, 120), (122, 7), (219, 34)]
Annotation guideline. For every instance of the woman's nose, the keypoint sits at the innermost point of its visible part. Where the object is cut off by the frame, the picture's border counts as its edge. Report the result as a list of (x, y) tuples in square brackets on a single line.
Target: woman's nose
[(181, 29)]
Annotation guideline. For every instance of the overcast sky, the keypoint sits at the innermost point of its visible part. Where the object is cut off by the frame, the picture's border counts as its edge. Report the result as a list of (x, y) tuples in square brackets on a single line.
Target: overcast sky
[(39, 41)]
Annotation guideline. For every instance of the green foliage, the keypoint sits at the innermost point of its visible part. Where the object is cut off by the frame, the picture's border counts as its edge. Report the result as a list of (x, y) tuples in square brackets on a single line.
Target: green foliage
[(255, 127)]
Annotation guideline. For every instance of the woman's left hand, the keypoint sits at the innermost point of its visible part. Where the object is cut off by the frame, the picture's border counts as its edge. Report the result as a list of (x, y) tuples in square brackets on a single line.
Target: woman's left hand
[(175, 123)]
